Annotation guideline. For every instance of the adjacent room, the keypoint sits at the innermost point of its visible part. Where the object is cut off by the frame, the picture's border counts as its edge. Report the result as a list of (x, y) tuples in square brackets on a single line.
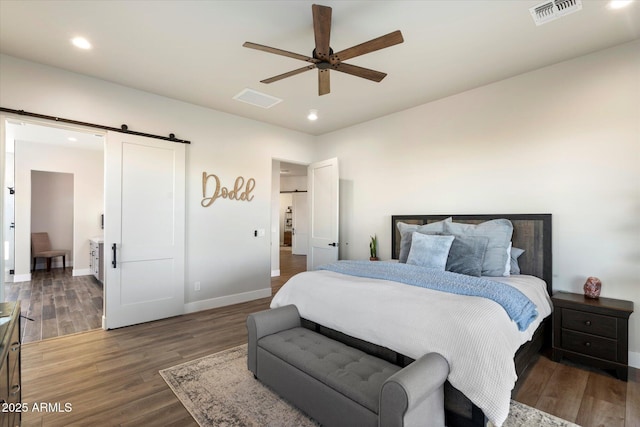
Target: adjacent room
[(446, 195)]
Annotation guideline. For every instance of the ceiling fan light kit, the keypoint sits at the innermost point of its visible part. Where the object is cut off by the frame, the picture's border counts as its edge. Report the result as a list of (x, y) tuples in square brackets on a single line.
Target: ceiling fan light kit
[(323, 57)]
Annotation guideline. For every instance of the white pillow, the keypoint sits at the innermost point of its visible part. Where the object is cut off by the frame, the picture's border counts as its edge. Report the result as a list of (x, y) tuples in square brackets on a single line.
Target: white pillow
[(507, 266)]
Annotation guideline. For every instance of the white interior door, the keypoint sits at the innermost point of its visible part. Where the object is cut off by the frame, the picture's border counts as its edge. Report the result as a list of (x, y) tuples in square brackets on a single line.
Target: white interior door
[(323, 213), (300, 238), (144, 229)]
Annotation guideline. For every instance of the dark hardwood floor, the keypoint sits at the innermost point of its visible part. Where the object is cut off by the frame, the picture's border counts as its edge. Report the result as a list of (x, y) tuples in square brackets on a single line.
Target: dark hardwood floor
[(58, 303), (111, 378)]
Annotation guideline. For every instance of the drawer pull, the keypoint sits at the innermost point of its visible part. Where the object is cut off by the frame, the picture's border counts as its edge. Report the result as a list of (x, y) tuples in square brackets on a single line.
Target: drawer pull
[(15, 390), (588, 323), (15, 346), (587, 344)]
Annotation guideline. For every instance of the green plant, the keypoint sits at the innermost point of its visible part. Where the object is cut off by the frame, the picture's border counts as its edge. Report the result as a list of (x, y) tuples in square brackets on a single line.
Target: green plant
[(373, 246)]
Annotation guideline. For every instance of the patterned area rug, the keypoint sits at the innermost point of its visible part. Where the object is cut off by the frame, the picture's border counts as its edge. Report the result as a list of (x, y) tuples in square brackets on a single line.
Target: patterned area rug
[(218, 390)]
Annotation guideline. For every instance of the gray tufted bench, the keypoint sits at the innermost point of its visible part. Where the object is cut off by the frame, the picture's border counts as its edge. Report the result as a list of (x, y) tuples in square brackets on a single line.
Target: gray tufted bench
[(338, 385)]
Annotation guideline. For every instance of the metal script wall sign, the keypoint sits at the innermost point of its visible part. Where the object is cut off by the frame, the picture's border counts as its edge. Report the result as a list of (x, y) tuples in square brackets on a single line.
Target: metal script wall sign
[(241, 190)]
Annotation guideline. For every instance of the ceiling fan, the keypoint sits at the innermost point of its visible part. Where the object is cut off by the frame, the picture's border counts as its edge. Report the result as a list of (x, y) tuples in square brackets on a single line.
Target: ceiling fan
[(324, 59)]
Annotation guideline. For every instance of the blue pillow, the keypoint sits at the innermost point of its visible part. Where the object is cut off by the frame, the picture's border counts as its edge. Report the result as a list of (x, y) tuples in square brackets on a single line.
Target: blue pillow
[(429, 251), (406, 231), (515, 254), (499, 232), (467, 255)]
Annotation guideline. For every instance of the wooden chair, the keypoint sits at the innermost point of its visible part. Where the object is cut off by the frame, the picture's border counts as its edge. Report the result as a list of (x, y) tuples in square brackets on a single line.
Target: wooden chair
[(41, 248)]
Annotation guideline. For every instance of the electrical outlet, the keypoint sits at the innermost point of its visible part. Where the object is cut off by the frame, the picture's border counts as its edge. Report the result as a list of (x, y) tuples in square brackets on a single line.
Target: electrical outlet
[(197, 286)]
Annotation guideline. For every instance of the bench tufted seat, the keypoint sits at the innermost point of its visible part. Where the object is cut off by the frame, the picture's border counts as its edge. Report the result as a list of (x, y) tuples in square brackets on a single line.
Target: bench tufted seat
[(338, 385), (345, 369)]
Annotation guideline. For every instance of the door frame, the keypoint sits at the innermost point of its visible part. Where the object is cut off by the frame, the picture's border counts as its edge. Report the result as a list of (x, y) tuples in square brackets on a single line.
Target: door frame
[(275, 210)]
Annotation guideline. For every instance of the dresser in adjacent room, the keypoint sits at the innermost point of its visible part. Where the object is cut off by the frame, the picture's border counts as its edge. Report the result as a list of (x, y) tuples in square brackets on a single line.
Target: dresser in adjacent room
[(10, 385), (96, 257)]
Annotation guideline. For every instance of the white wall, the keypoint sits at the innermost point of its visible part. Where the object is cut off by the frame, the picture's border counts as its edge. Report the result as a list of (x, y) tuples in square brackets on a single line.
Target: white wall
[(293, 183), (87, 167), (564, 140), (221, 250), (52, 205)]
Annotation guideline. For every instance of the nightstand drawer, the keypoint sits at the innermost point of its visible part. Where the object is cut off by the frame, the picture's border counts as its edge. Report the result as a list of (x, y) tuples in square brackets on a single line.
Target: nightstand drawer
[(590, 323), (591, 345)]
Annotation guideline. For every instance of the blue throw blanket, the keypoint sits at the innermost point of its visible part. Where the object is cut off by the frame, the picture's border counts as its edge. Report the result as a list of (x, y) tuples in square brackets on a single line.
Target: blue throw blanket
[(519, 308)]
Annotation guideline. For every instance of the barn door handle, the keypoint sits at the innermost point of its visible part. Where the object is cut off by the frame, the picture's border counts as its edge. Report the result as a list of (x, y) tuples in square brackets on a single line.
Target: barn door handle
[(113, 248)]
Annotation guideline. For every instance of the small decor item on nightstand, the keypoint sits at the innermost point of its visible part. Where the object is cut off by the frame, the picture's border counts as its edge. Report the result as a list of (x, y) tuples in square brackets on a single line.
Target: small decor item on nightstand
[(592, 287), (373, 248)]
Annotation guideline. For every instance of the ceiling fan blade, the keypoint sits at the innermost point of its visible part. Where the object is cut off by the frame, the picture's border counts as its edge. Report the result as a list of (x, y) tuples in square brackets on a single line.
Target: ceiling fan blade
[(321, 30), (279, 52), (323, 82), (289, 74), (367, 47), (365, 73)]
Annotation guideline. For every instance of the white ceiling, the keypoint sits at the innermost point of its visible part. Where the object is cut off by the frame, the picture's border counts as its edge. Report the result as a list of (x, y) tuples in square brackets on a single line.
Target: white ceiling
[(192, 50), (30, 132)]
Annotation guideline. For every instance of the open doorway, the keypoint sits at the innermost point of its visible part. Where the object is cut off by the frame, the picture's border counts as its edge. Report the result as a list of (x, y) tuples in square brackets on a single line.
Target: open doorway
[(52, 213), (290, 237), (57, 180)]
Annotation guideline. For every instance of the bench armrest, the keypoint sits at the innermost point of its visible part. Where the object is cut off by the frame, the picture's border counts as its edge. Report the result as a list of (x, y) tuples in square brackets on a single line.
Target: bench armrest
[(265, 323), (414, 396)]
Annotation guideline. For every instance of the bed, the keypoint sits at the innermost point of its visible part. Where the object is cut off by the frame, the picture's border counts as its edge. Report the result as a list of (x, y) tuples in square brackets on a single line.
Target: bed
[(387, 319)]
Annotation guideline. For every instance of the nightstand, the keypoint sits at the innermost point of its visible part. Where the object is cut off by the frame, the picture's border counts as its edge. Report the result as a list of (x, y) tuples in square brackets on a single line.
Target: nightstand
[(592, 331)]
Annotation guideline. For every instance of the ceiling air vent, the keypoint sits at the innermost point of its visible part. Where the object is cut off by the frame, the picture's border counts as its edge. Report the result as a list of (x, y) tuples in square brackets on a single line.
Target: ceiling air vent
[(256, 98), (554, 9)]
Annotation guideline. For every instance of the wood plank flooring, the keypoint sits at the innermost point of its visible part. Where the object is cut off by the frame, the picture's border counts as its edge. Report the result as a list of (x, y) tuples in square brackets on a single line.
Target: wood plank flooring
[(111, 377), (58, 303)]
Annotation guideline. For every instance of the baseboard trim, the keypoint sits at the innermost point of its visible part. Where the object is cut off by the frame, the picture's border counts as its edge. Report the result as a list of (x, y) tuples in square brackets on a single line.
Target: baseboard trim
[(634, 359), (81, 272), (192, 307), (21, 278), (275, 273)]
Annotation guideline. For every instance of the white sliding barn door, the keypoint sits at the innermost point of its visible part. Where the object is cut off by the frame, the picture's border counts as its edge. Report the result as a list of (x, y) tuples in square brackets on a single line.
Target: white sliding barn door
[(144, 229), (323, 213)]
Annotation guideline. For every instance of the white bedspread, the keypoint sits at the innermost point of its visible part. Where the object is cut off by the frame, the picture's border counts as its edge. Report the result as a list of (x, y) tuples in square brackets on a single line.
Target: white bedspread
[(474, 334)]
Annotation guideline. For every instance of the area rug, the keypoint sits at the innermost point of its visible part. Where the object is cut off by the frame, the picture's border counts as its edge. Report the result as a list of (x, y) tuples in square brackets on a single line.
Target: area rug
[(218, 390)]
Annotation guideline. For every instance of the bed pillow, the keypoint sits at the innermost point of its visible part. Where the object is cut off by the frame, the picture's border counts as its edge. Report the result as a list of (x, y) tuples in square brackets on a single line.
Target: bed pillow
[(467, 255), (507, 264), (407, 229), (515, 254), (498, 231), (430, 251)]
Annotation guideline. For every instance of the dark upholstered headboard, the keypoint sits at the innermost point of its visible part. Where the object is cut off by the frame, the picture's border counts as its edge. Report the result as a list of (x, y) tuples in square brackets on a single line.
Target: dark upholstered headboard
[(531, 232)]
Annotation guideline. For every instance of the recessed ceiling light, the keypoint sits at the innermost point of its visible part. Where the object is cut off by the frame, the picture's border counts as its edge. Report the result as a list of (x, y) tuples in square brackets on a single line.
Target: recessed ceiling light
[(72, 139), (313, 115), (81, 43), (619, 4)]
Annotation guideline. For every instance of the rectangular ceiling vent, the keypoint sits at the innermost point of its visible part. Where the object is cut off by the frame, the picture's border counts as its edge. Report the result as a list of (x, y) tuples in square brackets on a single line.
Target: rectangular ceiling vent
[(554, 9), (256, 98)]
